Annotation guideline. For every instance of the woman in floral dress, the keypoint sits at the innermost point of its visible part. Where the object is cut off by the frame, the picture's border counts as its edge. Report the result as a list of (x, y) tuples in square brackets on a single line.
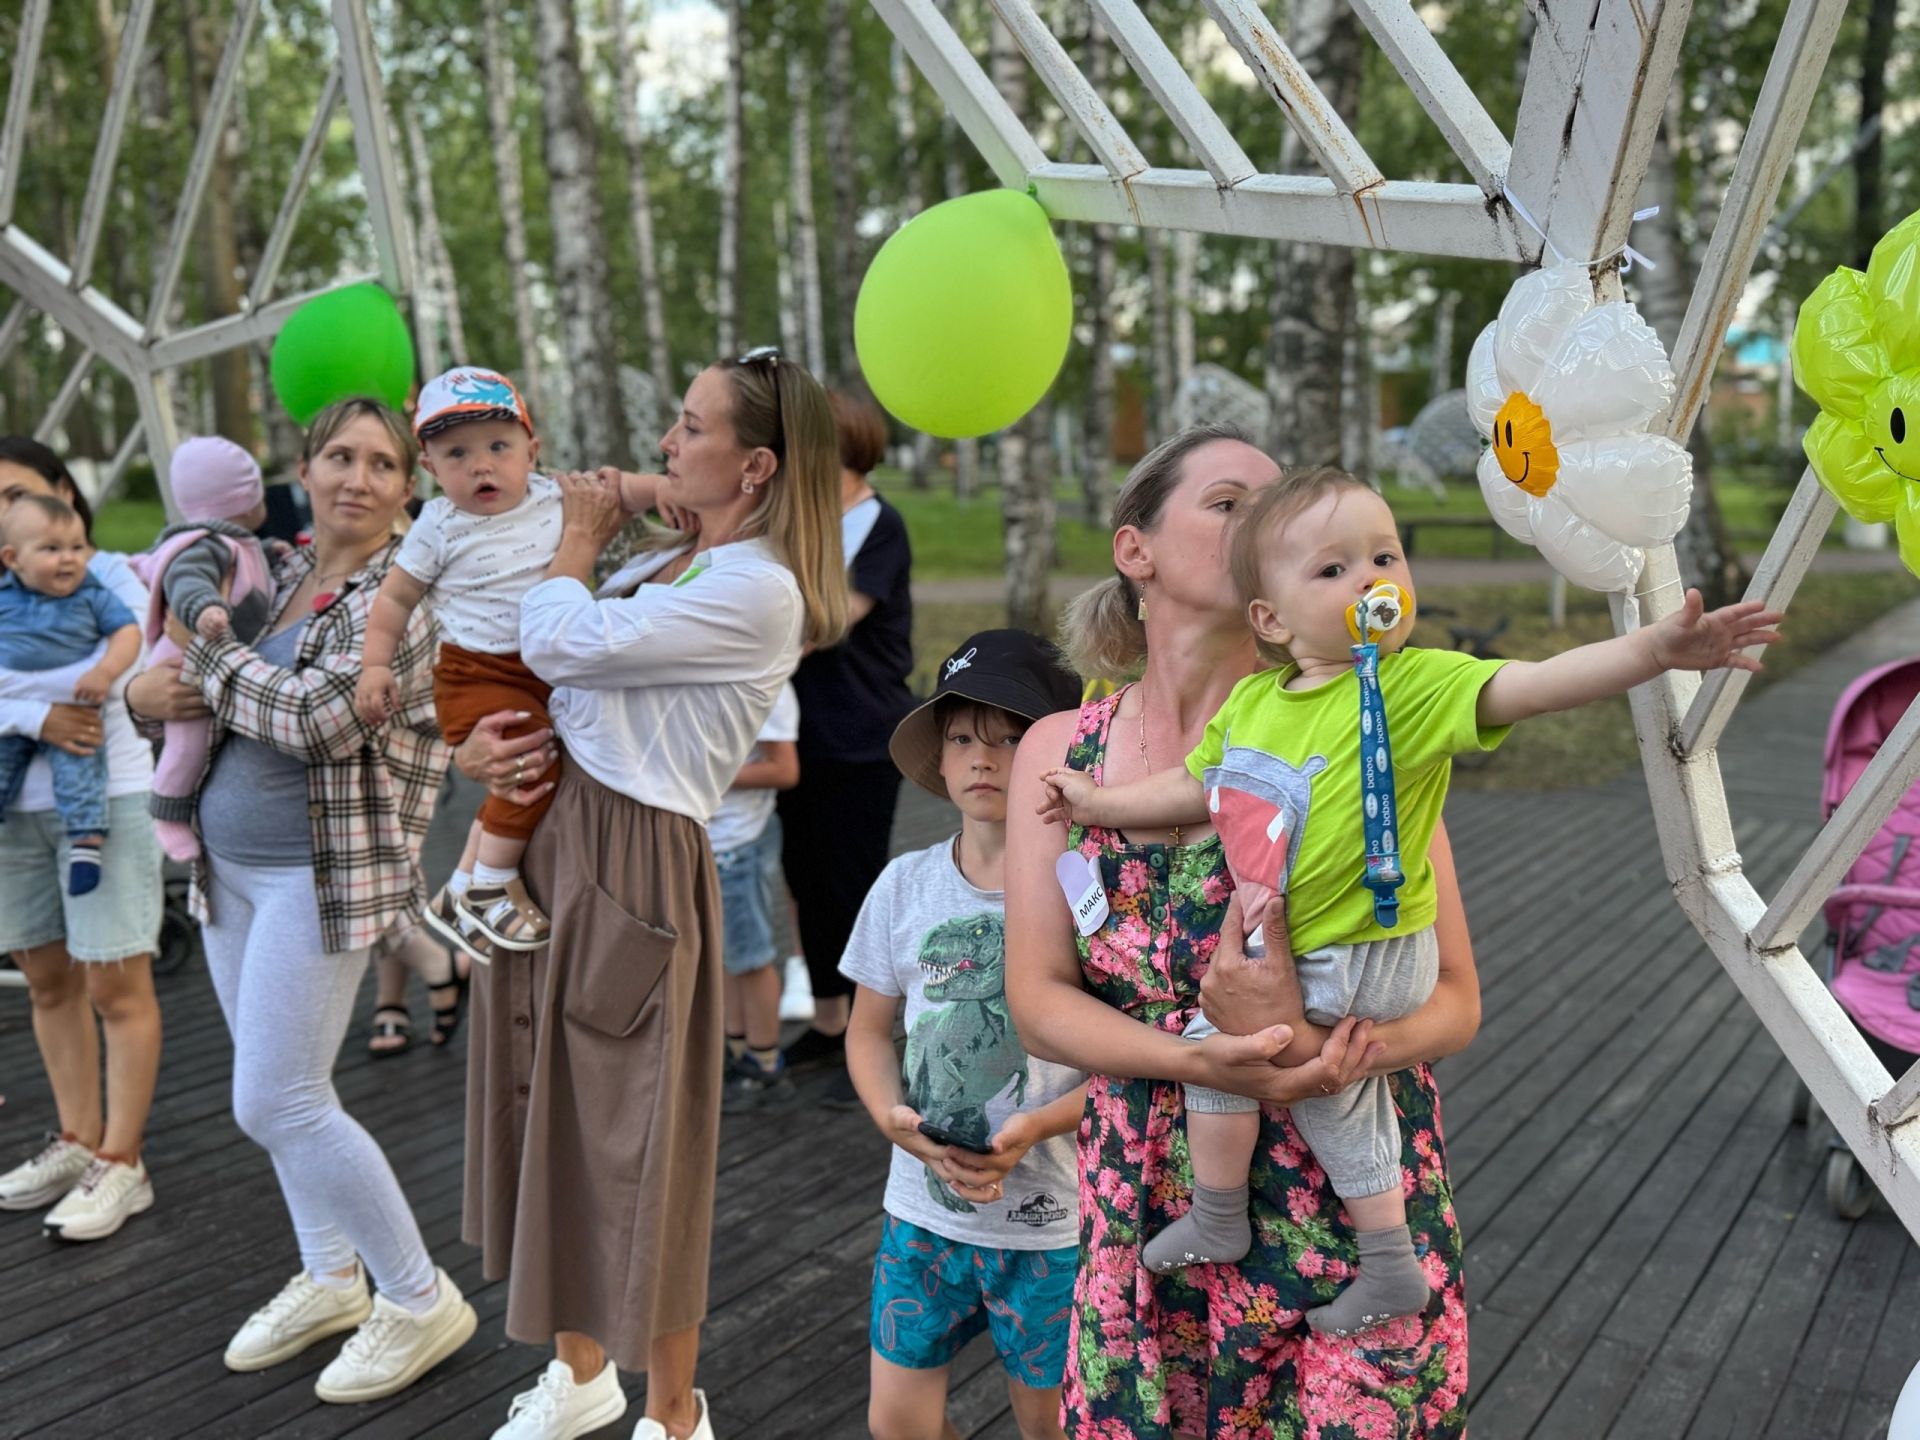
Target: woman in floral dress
[(1216, 1351)]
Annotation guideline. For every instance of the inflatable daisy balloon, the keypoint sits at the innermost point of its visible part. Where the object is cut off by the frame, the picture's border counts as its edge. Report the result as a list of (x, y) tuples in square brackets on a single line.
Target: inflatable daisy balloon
[(1565, 388), (1856, 349)]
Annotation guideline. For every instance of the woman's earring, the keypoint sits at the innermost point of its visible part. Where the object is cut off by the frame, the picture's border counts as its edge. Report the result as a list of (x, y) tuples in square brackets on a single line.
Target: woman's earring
[(746, 487), (1141, 612)]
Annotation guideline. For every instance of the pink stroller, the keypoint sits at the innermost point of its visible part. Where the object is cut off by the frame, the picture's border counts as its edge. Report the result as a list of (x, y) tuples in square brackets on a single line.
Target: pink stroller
[(1873, 919)]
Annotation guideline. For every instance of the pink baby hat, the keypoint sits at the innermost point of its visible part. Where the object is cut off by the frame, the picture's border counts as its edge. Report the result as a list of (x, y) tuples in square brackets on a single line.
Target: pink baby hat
[(214, 479)]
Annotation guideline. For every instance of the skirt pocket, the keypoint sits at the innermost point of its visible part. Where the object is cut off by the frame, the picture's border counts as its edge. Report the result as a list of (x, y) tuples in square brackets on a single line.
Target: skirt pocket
[(615, 963)]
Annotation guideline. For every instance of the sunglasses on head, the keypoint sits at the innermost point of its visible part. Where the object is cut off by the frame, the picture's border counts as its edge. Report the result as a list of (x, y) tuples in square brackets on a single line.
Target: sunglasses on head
[(770, 356)]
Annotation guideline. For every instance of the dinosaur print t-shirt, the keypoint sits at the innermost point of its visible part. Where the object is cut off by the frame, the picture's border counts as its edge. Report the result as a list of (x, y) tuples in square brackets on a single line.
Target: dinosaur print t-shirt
[(1282, 773), (927, 935)]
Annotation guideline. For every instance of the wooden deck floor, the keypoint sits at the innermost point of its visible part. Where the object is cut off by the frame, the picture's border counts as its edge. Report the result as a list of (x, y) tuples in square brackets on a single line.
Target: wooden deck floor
[(1649, 1250)]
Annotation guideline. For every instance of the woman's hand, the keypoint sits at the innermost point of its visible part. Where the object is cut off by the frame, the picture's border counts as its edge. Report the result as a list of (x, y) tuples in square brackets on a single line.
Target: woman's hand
[(75, 729), (590, 508), (158, 693), (1241, 992), (512, 768), (1248, 1064)]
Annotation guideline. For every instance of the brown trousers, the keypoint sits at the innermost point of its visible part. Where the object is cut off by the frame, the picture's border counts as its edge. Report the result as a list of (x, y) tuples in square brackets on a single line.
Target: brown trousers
[(468, 686)]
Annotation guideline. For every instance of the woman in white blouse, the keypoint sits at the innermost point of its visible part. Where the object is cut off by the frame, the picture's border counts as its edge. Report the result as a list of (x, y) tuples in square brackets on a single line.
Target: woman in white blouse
[(593, 1103)]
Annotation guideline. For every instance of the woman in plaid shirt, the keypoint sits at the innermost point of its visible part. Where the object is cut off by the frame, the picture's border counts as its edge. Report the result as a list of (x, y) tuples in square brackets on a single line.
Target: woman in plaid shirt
[(290, 909)]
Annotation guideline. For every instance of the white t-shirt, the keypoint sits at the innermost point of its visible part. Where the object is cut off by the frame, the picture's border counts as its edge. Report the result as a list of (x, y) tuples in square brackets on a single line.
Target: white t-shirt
[(743, 813), (481, 567), (924, 929), (26, 697)]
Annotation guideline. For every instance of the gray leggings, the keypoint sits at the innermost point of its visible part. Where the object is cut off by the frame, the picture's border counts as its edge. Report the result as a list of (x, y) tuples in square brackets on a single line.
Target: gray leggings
[(288, 1003), (1355, 1135)]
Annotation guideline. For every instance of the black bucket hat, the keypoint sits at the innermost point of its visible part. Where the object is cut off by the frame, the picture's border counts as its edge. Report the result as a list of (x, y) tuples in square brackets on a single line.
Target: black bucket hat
[(1012, 670)]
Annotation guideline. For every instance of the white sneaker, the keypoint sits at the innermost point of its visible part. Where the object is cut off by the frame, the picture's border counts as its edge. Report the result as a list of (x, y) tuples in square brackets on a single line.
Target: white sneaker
[(558, 1409), (394, 1348), (302, 1314), (651, 1429), (109, 1193), (796, 990), (46, 1177)]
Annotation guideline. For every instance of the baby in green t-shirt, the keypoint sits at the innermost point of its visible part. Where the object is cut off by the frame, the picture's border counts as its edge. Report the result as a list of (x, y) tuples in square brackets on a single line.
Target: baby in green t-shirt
[(1279, 774)]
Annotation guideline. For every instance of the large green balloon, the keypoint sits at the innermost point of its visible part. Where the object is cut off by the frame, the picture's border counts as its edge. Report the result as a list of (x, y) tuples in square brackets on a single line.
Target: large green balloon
[(965, 314), (350, 341)]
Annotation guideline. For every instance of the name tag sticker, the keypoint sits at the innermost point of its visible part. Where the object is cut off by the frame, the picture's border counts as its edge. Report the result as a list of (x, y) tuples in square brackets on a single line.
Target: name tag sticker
[(1079, 877)]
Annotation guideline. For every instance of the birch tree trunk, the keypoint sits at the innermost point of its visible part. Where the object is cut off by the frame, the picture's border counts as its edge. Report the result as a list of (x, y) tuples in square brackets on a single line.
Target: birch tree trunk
[(425, 300), (1310, 298), (640, 205), (840, 161), (906, 131), (1705, 550), (1160, 333), (1876, 50), (1358, 395), (806, 234), (435, 272), (791, 339), (1096, 439), (598, 424), (1026, 478), (232, 370), (502, 80), (1186, 247), (727, 284), (966, 453)]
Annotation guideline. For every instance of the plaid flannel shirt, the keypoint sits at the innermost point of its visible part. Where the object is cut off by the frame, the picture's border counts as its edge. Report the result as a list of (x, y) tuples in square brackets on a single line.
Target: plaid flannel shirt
[(370, 792)]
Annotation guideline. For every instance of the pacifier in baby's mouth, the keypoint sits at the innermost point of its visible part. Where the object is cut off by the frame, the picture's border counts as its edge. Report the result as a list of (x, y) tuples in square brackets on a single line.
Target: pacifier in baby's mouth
[(1377, 613)]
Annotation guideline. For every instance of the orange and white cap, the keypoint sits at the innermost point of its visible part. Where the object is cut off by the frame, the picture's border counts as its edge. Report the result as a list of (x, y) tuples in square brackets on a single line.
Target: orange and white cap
[(467, 393)]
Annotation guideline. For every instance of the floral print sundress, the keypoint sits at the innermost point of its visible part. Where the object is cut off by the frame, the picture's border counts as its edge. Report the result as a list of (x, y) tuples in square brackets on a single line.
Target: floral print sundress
[(1222, 1350)]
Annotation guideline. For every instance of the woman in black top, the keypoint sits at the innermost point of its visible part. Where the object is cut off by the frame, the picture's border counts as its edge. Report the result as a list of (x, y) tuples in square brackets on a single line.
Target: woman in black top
[(836, 823)]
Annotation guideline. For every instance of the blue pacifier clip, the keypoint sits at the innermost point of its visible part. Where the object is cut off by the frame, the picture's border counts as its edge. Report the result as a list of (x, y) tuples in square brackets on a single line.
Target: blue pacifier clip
[(1378, 611)]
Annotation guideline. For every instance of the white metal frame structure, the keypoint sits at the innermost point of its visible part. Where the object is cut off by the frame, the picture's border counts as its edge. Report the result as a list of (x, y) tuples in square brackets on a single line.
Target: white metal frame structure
[(1597, 83), (145, 350)]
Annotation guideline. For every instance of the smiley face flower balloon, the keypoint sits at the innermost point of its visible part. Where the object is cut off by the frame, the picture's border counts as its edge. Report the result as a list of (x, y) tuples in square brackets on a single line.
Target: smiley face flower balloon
[(1856, 349), (1565, 388)]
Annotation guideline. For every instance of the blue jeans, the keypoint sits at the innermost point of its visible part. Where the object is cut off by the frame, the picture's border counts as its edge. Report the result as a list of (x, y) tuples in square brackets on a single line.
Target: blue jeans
[(79, 782)]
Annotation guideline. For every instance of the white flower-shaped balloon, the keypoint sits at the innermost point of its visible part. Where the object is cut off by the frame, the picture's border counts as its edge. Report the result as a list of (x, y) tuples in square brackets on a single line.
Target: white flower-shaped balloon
[(1565, 388)]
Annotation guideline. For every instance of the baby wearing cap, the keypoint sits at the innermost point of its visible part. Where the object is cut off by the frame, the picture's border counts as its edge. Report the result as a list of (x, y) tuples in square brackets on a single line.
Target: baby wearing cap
[(209, 573), (477, 549)]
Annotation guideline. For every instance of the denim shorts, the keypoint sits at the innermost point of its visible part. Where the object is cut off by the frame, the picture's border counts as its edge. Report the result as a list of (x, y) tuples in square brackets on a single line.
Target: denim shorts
[(932, 1295), (117, 921), (748, 882)]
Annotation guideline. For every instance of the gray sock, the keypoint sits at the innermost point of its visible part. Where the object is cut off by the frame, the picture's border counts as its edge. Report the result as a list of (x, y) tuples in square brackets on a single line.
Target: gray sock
[(1215, 1231), (1390, 1284)]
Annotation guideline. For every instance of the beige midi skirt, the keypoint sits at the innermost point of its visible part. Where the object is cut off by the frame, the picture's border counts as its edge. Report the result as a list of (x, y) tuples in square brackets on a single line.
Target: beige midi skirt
[(593, 1080)]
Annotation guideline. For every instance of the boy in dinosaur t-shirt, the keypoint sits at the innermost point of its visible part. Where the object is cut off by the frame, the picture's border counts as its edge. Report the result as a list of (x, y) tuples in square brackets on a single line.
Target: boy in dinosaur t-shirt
[(971, 1241)]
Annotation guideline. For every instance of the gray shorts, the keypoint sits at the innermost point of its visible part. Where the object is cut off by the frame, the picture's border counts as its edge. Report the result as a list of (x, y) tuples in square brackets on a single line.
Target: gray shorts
[(117, 921), (1355, 1134)]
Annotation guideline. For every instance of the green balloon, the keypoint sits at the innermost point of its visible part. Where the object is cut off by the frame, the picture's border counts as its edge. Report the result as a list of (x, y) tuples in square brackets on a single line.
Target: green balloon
[(347, 342), (965, 314)]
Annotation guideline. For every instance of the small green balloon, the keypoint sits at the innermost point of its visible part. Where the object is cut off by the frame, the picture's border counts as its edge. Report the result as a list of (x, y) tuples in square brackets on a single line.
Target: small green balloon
[(965, 314), (351, 341)]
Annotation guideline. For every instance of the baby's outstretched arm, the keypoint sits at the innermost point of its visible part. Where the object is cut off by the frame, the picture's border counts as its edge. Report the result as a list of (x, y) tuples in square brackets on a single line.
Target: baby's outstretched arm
[(1689, 639), (376, 697), (1166, 797)]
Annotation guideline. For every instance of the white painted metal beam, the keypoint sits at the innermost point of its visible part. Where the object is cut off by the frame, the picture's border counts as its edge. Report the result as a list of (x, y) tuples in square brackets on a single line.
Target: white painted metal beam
[(1084, 106), (1881, 786), (1168, 82), (235, 330), (106, 153), (12, 328), (1902, 1098), (45, 283), (979, 109), (367, 103), (153, 391), (1796, 540), (64, 397), (1463, 120), (206, 154), (1306, 109), (1395, 214), (274, 253), (13, 133)]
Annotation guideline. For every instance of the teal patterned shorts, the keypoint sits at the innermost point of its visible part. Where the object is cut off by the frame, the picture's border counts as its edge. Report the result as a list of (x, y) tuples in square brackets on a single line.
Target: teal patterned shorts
[(932, 1295)]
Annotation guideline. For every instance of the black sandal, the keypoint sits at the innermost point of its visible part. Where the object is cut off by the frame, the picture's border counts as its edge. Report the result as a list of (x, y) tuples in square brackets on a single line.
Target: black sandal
[(446, 1018), (391, 1022)]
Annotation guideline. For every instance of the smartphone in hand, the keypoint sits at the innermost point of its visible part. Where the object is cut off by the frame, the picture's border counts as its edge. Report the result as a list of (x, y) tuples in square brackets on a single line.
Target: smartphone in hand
[(942, 1136)]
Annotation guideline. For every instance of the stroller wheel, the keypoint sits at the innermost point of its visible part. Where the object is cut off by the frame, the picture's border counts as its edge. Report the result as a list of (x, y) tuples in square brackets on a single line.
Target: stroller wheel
[(1805, 1112), (1849, 1191)]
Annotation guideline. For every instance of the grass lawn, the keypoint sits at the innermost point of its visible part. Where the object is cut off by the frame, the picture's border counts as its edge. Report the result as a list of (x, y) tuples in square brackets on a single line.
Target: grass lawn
[(1582, 747)]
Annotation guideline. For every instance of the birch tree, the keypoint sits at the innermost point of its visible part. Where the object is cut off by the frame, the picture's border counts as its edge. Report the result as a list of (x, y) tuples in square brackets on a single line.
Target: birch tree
[(906, 135), (1310, 295), (726, 299), (434, 274), (805, 255), (640, 202), (598, 424), (1160, 334), (502, 77), (1096, 441), (966, 453), (840, 161), (233, 413)]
